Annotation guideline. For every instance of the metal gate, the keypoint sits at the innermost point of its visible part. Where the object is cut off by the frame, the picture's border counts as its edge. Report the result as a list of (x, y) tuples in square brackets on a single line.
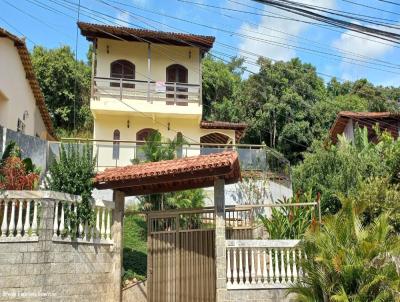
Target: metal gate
[(181, 256)]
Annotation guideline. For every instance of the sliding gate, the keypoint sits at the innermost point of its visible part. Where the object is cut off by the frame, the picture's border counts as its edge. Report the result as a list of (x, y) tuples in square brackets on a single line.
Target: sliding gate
[(181, 256)]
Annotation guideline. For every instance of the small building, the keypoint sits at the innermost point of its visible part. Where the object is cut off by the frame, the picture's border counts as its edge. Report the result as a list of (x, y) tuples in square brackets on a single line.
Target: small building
[(347, 121), (143, 81), (22, 105)]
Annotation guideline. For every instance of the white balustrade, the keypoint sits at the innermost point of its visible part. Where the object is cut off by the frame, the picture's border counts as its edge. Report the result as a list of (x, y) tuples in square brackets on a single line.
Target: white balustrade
[(15, 215), (22, 211), (267, 263), (85, 232)]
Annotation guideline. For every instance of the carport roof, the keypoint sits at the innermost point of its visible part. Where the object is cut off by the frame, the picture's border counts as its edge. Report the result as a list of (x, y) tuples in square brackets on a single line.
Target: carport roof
[(171, 175)]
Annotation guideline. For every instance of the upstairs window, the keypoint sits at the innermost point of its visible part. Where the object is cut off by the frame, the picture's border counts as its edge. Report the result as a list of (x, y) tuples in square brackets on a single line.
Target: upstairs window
[(122, 69)]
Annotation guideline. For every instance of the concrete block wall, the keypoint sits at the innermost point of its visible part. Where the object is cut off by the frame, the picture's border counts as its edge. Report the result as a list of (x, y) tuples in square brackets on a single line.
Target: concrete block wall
[(259, 295), (55, 271)]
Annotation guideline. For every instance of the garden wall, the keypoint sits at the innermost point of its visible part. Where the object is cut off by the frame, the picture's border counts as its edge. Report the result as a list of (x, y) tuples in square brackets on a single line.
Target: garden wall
[(43, 268), (259, 295)]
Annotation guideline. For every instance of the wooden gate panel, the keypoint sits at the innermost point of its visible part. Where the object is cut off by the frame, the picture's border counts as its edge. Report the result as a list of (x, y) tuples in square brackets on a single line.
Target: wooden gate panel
[(181, 256), (197, 269)]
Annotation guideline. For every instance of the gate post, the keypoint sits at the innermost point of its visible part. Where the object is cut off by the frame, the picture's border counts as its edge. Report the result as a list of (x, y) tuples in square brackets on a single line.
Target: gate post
[(220, 248), (117, 235)]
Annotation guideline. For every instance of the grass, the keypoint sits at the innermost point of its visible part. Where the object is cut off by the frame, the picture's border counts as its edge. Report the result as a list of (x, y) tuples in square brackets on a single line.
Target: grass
[(135, 248)]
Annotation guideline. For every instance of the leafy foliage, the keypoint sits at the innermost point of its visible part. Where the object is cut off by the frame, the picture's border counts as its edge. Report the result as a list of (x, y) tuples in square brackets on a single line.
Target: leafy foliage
[(155, 149), (73, 173), (289, 222), (61, 78), (17, 173), (135, 247), (340, 169), (347, 261)]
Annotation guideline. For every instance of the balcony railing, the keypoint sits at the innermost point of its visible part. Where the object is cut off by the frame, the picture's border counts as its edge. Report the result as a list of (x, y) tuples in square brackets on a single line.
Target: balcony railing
[(122, 153), (172, 93)]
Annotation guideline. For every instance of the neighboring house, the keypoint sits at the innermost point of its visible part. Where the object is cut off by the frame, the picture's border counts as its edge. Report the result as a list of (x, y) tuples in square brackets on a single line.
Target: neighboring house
[(144, 81), (22, 105), (347, 121)]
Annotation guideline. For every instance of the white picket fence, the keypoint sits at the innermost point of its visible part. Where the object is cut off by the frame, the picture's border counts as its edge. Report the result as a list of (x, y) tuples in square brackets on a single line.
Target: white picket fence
[(263, 263)]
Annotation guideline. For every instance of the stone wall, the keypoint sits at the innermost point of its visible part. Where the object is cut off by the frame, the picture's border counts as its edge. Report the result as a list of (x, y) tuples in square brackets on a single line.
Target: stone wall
[(259, 295), (46, 270), (135, 293)]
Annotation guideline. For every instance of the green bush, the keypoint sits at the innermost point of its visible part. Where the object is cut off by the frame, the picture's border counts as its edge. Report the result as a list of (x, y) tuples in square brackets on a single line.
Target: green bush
[(289, 222), (73, 173), (347, 261)]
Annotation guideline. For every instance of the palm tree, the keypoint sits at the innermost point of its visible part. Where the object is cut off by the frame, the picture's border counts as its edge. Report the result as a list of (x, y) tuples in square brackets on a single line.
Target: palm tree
[(347, 261)]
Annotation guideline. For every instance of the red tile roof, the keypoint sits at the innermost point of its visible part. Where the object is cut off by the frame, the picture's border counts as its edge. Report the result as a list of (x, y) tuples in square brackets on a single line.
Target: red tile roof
[(171, 175), (239, 128), (30, 76), (92, 31), (388, 120)]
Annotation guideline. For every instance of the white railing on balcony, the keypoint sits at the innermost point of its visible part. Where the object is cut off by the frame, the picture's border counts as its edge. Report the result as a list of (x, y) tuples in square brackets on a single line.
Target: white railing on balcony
[(19, 219), (171, 92), (263, 263), (84, 232)]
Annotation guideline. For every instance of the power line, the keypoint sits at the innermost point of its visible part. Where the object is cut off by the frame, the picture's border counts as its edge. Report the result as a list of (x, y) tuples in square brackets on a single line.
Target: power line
[(284, 116), (297, 8), (390, 2), (324, 26), (374, 8), (16, 29), (279, 44)]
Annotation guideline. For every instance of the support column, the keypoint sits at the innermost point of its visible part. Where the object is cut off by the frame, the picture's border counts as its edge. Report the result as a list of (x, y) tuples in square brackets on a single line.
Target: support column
[(148, 71), (117, 235), (220, 248)]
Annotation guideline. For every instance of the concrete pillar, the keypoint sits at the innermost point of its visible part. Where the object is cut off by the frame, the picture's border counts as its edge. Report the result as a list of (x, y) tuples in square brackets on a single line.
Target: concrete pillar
[(117, 235), (220, 248)]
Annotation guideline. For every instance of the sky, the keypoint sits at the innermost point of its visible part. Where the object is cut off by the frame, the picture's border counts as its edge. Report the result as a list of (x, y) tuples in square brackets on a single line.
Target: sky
[(241, 27)]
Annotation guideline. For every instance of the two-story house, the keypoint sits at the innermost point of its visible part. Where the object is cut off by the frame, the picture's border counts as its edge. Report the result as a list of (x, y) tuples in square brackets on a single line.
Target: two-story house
[(143, 81), (22, 105)]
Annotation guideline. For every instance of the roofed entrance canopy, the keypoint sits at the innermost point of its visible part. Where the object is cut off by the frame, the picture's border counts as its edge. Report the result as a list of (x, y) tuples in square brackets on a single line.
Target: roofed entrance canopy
[(171, 175)]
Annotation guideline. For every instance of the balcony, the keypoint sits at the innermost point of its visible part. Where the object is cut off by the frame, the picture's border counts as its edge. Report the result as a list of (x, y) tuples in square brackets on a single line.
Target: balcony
[(163, 98)]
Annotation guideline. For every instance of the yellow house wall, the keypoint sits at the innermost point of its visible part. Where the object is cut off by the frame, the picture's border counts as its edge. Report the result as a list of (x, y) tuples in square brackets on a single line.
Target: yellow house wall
[(162, 56), (105, 126), (17, 96), (136, 52)]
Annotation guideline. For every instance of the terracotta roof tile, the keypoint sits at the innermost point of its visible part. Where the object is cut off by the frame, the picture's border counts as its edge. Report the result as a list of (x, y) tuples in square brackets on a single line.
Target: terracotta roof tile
[(31, 77), (171, 175), (367, 118), (92, 31)]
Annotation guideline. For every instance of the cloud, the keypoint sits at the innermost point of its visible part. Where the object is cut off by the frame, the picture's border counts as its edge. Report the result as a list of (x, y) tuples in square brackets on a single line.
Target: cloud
[(275, 29), (368, 47), (123, 19)]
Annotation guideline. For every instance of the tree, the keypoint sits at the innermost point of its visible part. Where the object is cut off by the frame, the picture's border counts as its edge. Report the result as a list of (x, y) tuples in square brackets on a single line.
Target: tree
[(347, 261), (65, 83), (220, 85), (278, 105)]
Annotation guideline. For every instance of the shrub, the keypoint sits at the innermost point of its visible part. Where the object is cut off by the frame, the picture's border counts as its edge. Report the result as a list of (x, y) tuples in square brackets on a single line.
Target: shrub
[(73, 173), (289, 222), (15, 173), (347, 261)]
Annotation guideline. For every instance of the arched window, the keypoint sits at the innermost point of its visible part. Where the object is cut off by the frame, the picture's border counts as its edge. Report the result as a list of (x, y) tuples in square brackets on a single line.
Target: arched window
[(122, 69), (116, 137), (177, 74), (143, 135)]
